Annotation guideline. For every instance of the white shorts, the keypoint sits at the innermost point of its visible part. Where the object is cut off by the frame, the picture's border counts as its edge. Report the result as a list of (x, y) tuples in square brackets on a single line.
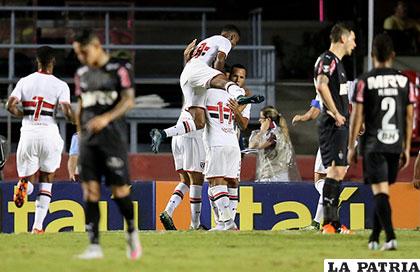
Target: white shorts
[(194, 97), (319, 167), (38, 153), (222, 161), (194, 81), (188, 152)]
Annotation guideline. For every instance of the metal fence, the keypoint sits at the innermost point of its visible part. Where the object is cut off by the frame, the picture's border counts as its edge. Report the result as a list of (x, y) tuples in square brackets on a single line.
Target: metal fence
[(261, 79)]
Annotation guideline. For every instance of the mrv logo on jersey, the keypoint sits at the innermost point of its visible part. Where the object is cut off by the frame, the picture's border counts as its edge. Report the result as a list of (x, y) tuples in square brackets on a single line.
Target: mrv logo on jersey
[(372, 265)]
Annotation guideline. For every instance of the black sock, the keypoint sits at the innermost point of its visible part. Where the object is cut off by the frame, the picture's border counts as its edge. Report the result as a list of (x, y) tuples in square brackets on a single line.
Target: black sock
[(377, 228), (331, 193), (127, 210), (92, 221), (383, 210)]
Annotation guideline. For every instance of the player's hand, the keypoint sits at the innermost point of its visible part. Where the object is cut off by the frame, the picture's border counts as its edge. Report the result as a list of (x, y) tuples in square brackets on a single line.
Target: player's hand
[(352, 156), (339, 119), (96, 124), (72, 177), (233, 105), (188, 50), (404, 159), (416, 183), (297, 118)]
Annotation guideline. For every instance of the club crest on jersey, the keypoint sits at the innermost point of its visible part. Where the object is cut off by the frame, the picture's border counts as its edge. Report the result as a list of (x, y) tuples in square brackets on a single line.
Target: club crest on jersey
[(202, 164), (388, 136)]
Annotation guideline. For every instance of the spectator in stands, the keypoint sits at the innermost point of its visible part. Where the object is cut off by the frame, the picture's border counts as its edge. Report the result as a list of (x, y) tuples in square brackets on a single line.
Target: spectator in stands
[(276, 157), (404, 30)]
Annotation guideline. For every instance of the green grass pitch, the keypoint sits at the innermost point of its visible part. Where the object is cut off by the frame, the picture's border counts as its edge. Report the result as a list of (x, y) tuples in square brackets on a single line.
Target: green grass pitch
[(195, 251)]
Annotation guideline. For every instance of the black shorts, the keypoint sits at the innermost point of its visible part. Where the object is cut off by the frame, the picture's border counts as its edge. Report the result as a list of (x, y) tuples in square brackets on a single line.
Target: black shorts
[(105, 161), (333, 143), (380, 167)]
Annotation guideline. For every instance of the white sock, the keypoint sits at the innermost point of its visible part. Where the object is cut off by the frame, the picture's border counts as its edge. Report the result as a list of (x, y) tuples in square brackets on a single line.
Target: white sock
[(319, 211), (42, 204), (180, 190), (319, 215), (195, 202), (213, 206), (181, 128), (234, 89), (233, 198), (221, 199)]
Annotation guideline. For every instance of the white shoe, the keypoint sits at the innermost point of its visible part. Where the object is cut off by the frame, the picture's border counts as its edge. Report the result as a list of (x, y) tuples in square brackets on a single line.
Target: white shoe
[(230, 225), (134, 250), (92, 252), (373, 245), (391, 245), (220, 226)]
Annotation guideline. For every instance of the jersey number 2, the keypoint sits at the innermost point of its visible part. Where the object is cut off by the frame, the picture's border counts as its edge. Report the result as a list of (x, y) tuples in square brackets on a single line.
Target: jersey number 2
[(388, 105)]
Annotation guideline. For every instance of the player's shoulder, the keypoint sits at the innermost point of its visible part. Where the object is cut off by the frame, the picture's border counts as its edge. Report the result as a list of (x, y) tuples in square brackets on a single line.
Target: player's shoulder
[(328, 57), (117, 63), (217, 38)]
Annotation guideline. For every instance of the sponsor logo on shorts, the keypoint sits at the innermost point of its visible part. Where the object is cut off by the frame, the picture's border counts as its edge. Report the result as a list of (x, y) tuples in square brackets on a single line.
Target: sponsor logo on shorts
[(114, 162)]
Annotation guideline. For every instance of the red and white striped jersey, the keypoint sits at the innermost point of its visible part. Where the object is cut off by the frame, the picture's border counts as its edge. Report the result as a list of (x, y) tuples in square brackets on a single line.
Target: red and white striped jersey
[(207, 49), (40, 93), (220, 128)]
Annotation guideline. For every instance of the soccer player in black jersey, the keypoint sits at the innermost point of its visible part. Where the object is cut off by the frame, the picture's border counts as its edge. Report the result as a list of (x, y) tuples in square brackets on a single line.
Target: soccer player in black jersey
[(331, 83), (106, 92), (383, 101)]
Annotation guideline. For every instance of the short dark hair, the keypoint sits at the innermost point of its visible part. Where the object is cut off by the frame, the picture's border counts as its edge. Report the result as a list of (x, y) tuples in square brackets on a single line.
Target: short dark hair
[(338, 30), (85, 37), (382, 47), (45, 55), (239, 66), (231, 28)]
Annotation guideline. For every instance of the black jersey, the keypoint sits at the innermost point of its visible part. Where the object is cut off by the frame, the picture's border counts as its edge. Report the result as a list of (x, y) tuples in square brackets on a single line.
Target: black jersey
[(329, 65), (100, 90), (385, 94)]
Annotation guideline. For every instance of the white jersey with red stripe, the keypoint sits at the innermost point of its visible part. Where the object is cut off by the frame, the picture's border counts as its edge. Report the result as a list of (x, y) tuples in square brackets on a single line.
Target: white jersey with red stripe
[(207, 49), (220, 127), (40, 93)]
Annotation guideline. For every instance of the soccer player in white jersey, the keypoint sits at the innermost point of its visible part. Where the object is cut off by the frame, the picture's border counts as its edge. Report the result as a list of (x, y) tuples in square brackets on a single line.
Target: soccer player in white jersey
[(223, 156), (189, 155), (202, 71), (40, 143)]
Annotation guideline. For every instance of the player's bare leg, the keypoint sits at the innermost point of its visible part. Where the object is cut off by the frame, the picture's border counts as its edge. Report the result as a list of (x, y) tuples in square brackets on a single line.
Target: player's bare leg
[(43, 200), (196, 188), (178, 195), (222, 82), (91, 195)]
